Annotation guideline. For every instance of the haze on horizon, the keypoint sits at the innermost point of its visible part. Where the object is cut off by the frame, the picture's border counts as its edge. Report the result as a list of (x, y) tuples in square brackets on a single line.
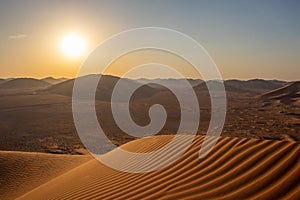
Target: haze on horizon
[(256, 39)]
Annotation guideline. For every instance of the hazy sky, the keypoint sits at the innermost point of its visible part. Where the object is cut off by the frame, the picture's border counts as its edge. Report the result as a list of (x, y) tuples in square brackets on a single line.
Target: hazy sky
[(246, 39)]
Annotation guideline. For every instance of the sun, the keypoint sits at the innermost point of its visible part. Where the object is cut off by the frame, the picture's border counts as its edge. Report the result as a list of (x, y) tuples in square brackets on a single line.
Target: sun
[(73, 45)]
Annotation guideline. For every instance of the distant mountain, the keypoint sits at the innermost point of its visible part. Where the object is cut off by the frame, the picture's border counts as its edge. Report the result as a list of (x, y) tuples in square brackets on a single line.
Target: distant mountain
[(286, 94), (64, 88), (179, 83), (104, 89), (53, 81), (255, 86), (217, 86), (24, 84), (2, 80), (147, 87)]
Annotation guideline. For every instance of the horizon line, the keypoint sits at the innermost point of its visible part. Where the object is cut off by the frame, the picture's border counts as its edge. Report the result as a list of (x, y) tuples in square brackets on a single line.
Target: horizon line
[(172, 78)]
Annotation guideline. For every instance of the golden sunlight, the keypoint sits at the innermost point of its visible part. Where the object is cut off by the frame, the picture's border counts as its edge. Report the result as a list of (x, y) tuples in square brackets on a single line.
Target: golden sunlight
[(73, 45)]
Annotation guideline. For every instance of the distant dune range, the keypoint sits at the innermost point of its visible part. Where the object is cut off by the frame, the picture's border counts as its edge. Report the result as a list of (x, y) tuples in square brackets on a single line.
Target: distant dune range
[(235, 169)]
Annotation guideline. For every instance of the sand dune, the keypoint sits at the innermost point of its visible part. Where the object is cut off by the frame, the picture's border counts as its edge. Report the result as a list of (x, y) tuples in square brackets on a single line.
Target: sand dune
[(285, 94), (21, 172), (235, 169)]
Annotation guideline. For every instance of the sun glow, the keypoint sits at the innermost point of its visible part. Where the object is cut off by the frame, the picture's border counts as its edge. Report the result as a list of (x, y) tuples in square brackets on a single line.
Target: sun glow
[(73, 45)]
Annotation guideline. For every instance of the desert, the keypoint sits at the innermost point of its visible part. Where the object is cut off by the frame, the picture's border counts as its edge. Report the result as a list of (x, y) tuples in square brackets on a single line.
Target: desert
[(149, 100), (42, 155)]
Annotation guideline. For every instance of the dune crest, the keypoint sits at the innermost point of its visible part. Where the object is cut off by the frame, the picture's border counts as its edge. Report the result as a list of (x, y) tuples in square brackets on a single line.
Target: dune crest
[(235, 169), (286, 94)]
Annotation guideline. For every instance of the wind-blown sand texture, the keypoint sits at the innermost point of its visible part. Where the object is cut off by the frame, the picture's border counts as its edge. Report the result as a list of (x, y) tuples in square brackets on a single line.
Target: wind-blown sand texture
[(21, 172), (235, 169)]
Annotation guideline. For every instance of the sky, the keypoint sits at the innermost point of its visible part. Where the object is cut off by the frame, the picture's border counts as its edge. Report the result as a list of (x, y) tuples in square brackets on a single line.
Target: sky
[(246, 39)]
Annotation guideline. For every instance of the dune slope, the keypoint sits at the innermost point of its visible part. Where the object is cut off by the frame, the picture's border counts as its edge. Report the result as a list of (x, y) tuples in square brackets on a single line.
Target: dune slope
[(235, 169), (21, 172), (285, 94)]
